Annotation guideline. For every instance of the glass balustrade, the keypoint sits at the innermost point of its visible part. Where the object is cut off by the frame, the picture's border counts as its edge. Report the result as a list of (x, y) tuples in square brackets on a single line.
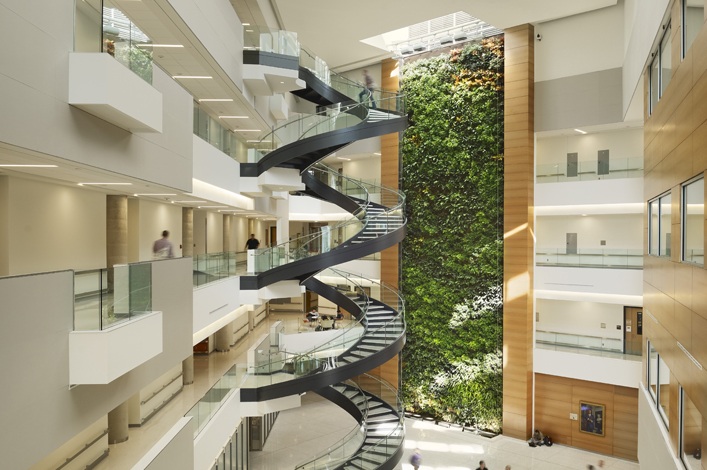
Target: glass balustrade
[(219, 136), (586, 257), (264, 39), (348, 449), (211, 267), (271, 367), (100, 26), (589, 170), (105, 297), (578, 341)]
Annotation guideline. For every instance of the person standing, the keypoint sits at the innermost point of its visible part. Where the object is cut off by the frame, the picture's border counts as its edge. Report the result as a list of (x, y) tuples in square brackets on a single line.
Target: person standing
[(482, 465), (162, 248), (252, 243)]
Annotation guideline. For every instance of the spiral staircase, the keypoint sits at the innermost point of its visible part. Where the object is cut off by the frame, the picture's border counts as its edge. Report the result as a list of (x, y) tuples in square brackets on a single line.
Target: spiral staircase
[(377, 222)]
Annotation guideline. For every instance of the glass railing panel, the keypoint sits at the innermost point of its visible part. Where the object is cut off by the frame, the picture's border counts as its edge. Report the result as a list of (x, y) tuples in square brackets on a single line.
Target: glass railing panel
[(588, 170), (263, 39), (105, 297), (212, 267), (579, 341), (89, 288), (123, 40), (618, 258), (316, 65), (219, 136)]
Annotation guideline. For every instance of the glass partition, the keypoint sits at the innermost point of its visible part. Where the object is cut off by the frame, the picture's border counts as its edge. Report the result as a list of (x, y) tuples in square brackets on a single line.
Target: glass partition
[(574, 340), (693, 17), (652, 372), (218, 135), (211, 267), (665, 243), (104, 297), (693, 222), (264, 39), (631, 167), (653, 225), (664, 391), (690, 433), (620, 258), (100, 26)]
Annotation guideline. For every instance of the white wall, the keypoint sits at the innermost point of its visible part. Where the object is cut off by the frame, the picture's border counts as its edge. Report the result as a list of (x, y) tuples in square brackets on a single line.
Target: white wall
[(52, 227), (154, 217), (606, 370), (614, 196), (626, 143), (26, 86), (42, 312), (623, 231), (367, 169), (579, 44), (623, 286), (580, 317)]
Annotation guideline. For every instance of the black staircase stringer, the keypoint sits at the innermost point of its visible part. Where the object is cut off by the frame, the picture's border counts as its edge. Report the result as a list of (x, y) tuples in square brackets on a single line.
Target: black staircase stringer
[(333, 295), (326, 192), (341, 401), (319, 92), (306, 267), (324, 378), (307, 151)]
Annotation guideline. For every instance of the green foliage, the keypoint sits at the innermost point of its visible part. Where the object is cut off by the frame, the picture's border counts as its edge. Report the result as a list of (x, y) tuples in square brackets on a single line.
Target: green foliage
[(453, 253)]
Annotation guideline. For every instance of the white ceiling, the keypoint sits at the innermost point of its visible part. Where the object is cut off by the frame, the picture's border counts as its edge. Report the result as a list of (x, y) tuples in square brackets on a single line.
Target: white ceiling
[(334, 29), (331, 29)]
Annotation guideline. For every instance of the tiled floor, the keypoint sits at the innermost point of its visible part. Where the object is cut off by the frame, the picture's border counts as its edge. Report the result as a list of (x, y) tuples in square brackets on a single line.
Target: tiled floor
[(301, 433)]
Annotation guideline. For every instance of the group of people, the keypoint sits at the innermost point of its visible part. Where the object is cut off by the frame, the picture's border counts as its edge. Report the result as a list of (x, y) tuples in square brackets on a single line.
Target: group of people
[(315, 317)]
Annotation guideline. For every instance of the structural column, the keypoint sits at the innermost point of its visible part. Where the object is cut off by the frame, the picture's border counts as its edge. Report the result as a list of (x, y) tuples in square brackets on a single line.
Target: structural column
[(227, 222), (518, 222), (223, 337), (188, 250), (117, 253)]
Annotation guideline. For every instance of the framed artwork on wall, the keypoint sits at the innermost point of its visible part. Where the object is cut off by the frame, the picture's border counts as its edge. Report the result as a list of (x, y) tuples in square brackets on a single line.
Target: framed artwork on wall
[(592, 417)]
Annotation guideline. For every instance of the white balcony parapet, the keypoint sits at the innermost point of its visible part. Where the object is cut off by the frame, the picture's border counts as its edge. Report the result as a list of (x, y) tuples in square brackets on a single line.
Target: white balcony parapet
[(100, 85), (101, 356)]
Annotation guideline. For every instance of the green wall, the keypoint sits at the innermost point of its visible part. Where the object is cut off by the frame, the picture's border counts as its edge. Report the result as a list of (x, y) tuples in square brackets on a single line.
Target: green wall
[(452, 257)]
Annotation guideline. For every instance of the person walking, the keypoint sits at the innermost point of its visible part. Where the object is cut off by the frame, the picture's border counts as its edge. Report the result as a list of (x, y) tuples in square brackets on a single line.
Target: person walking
[(252, 243), (162, 248), (482, 465), (416, 459), (368, 85)]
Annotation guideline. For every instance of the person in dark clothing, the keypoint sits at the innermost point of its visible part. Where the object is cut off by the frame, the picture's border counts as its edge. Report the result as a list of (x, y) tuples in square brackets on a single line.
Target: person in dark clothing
[(252, 243), (482, 466), (367, 89)]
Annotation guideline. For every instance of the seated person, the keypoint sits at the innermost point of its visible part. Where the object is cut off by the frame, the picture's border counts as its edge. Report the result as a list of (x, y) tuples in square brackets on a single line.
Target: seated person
[(536, 439), (312, 315), (327, 322)]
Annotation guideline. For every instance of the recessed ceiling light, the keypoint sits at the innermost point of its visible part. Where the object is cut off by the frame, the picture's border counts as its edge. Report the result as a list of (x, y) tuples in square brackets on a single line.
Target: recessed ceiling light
[(160, 45), (376, 153), (246, 130), (245, 24), (211, 207), (26, 166), (192, 76), (104, 184), (233, 117), (188, 202), (203, 100), (253, 141), (344, 158), (580, 131), (153, 194)]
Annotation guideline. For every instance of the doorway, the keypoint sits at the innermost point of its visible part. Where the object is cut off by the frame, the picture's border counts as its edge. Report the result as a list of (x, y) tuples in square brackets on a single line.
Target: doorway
[(633, 330)]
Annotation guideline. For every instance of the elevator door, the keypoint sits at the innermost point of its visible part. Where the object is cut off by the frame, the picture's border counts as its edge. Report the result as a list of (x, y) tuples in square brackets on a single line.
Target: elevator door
[(633, 330)]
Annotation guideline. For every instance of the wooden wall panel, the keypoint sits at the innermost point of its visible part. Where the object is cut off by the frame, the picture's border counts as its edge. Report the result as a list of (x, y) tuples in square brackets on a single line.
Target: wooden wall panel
[(519, 128), (675, 294), (557, 397)]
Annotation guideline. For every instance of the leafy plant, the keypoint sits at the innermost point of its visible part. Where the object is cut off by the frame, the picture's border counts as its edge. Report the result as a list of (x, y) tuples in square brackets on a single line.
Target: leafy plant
[(453, 253)]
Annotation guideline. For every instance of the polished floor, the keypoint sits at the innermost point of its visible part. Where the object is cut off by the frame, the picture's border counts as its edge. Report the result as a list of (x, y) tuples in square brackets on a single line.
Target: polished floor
[(300, 434)]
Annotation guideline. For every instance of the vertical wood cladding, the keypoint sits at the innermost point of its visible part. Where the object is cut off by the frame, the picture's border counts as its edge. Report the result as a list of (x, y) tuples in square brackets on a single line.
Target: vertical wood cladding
[(390, 177), (519, 227), (557, 397), (675, 293)]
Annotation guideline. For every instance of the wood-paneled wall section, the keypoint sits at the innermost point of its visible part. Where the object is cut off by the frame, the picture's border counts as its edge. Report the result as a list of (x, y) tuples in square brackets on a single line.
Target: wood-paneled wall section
[(518, 220), (557, 397), (675, 293)]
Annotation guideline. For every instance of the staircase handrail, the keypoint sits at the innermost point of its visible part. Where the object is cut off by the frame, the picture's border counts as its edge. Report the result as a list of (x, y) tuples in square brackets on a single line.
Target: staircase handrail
[(324, 459)]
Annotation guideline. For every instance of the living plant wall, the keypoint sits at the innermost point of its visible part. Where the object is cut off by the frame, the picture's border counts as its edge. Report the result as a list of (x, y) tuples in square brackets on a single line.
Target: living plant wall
[(452, 256)]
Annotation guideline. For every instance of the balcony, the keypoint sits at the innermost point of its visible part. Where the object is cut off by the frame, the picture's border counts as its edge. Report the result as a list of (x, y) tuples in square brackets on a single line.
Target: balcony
[(100, 85)]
